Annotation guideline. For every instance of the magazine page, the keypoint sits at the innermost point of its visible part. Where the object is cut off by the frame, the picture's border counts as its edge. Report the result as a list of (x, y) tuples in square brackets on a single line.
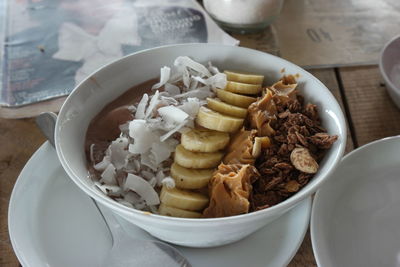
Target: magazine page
[(52, 45)]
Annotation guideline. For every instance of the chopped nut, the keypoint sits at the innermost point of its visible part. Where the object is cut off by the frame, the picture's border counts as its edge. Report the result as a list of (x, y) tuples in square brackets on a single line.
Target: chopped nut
[(292, 186), (303, 161), (256, 151)]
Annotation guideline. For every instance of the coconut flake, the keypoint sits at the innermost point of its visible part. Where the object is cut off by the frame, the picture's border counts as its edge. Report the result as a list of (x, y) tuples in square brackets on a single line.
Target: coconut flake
[(142, 136), (137, 164), (190, 63), (153, 181), (219, 80), (124, 127), (119, 153), (153, 103), (132, 108), (186, 78), (172, 89), (214, 70), (168, 182), (193, 84), (200, 93), (108, 175), (132, 197), (131, 165), (155, 124), (172, 115), (161, 151), (91, 151), (141, 107), (160, 176), (102, 165), (171, 132), (145, 159), (169, 100), (106, 189), (147, 175), (165, 74), (191, 106), (142, 188)]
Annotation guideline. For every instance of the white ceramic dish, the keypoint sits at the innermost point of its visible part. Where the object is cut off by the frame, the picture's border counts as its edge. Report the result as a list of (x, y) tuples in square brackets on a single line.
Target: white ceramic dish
[(107, 83), (389, 65), (53, 223), (356, 214)]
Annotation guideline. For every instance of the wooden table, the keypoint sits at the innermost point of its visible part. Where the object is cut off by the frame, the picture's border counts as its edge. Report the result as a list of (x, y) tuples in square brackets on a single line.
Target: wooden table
[(370, 113)]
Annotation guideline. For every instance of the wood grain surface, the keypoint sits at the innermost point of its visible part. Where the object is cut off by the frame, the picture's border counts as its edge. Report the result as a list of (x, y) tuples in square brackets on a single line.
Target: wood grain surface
[(370, 113), (19, 139)]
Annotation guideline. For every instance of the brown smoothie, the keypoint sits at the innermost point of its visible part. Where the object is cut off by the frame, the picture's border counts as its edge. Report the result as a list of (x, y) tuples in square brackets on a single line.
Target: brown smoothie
[(104, 128)]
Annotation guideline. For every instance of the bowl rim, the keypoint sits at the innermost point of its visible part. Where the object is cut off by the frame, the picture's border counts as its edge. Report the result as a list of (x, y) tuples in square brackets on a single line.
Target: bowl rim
[(284, 205), (391, 86), (318, 197)]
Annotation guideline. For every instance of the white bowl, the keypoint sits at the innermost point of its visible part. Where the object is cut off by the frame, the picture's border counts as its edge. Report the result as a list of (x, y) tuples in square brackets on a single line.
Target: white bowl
[(389, 65), (89, 97), (356, 214)]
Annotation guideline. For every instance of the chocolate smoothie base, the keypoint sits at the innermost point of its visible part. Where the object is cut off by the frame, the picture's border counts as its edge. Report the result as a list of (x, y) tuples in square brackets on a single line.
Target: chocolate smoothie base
[(104, 128)]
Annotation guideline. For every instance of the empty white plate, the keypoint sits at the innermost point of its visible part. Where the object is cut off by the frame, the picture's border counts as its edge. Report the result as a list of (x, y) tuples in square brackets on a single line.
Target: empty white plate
[(355, 218), (53, 223)]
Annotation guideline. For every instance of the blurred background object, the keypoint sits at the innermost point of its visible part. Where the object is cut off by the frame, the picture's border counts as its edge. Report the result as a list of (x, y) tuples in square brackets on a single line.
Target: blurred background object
[(49, 46), (243, 16), (389, 65)]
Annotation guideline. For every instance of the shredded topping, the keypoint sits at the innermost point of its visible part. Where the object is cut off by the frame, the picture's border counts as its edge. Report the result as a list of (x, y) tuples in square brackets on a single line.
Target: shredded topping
[(138, 160)]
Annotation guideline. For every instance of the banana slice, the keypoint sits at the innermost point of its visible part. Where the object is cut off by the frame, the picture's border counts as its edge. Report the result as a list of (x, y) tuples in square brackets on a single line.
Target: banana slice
[(190, 178), (227, 109), (204, 140), (235, 99), (216, 121), (197, 160), (175, 212), (183, 199), (259, 143), (243, 88), (265, 141), (244, 77)]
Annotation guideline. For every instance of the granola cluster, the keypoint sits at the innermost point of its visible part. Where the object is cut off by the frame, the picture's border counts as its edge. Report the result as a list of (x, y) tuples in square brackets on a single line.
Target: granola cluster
[(299, 143)]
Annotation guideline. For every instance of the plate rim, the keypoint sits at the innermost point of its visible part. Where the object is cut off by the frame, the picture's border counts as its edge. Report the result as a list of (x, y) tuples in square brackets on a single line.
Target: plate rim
[(13, 199), (21, 256), (318, 196)]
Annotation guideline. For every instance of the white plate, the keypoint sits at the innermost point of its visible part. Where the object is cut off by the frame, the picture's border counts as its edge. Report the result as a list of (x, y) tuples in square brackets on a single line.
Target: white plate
[(356, 214), (53, 223)]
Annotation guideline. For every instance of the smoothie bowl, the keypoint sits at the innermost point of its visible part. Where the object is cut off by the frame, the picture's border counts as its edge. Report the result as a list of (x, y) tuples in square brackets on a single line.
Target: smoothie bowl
[(220, 142)]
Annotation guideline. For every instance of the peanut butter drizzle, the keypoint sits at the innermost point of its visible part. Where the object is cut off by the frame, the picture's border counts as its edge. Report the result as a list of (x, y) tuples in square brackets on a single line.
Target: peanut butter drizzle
[(284, 89), (230, 189), (261, 112), (240, 148)]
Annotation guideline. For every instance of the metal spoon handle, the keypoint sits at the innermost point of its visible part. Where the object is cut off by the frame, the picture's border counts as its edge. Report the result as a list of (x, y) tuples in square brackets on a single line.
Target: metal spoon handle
[(47, 124)]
